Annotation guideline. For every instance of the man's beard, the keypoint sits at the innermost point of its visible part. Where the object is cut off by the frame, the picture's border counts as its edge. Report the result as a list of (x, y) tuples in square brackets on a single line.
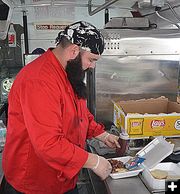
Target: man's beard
[(76, 76)]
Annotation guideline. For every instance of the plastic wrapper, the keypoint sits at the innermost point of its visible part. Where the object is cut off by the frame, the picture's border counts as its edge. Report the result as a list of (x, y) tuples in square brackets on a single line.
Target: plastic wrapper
[(134, 162)]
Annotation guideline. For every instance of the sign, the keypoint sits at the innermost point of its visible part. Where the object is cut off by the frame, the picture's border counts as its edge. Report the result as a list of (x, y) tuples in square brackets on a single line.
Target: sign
[(50, 26)]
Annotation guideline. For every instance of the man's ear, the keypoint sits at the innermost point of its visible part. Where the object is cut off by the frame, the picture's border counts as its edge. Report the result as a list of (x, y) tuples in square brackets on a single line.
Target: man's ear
[(74, 51)]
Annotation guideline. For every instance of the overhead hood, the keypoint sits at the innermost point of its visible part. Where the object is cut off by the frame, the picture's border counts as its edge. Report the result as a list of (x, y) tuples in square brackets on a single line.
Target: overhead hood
[(128, 22)]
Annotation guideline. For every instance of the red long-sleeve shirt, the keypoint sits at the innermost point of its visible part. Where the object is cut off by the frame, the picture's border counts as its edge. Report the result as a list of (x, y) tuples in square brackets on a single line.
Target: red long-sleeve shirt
[(47, 129)]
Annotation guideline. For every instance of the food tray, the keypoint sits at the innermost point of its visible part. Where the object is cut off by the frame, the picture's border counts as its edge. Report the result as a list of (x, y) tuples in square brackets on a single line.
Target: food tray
[(149, 152), (159, 184), (130, 173)]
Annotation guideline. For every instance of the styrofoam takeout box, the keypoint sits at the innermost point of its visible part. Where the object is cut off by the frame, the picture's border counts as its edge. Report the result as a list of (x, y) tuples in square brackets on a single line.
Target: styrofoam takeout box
[(154, 152), (172, 169), (130, 173)]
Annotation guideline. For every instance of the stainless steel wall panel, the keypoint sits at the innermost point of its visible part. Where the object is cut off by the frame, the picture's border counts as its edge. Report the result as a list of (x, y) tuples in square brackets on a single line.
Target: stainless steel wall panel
[(137, 74), (137, 42), (134, 77), (143, 67)]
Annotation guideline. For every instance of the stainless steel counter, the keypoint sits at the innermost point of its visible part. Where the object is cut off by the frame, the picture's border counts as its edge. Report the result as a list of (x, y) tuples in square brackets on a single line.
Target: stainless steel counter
[(132, 185)]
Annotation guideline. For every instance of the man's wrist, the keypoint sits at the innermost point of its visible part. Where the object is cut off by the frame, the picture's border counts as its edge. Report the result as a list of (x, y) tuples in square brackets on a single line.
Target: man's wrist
[(91, 161), (97, 164), (102, 137), (106, 136)]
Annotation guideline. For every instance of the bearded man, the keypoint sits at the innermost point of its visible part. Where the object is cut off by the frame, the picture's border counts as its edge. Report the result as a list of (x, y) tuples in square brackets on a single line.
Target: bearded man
[(48, 120)]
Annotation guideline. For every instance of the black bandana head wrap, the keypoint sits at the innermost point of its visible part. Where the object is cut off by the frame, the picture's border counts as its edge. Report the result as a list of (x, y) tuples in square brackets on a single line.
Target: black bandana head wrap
[(85, 35)]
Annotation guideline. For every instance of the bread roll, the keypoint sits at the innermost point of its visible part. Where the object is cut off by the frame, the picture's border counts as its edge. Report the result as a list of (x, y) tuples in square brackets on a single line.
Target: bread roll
[(159, 174)]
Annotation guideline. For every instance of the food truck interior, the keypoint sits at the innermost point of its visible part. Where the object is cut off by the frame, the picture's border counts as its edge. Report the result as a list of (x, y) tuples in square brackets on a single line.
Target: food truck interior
[(140, 61)]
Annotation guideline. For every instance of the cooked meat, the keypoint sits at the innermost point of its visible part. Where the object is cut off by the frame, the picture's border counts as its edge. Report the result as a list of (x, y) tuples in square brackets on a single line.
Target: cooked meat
[(117, 165)]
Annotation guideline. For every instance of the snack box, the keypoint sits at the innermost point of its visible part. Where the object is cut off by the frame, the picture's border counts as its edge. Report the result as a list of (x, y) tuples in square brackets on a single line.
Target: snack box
[(154, 152), (172, 170), (178, 99), (147, 117)]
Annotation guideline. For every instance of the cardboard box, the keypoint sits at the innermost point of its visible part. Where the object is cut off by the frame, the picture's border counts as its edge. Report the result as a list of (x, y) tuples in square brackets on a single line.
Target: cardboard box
[(178, 99), (148, 117)]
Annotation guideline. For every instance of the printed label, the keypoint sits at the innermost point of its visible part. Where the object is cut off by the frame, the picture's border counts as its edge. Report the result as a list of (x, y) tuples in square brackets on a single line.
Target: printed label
[(177, 125), (136, 124), (157, 123), (11, 39), (50, 26)]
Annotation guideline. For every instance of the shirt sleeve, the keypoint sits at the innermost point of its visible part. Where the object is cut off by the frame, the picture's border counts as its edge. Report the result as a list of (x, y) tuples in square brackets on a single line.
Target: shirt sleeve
[(95, 128), (43, 118)]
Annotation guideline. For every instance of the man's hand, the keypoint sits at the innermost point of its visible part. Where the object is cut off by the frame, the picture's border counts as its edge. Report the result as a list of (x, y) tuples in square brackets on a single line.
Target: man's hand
[(99, 165), (112, 141), (109, 139), (103, 168)]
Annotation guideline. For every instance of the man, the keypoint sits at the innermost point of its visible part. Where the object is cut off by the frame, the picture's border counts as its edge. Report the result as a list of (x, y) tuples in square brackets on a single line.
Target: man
[(48, 120)]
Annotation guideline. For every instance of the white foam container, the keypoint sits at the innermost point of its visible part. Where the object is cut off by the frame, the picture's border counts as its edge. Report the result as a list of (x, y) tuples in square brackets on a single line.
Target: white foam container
[(154, 152), (172, 169), (130, 173)]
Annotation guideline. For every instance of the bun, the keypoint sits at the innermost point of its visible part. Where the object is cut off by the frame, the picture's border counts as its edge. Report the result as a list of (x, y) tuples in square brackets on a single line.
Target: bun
[(159, 174)]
